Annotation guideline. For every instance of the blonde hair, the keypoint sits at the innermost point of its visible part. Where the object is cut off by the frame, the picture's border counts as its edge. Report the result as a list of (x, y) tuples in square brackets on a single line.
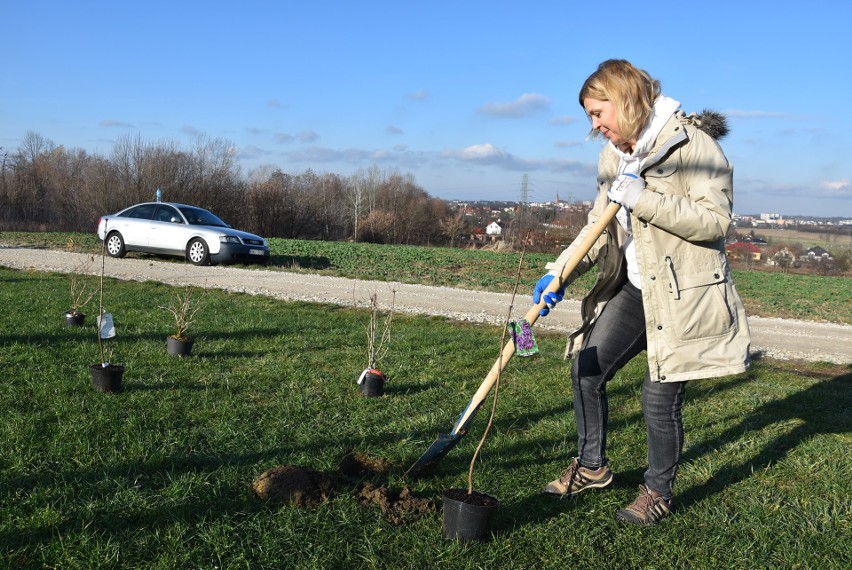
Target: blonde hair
[(631, 90)]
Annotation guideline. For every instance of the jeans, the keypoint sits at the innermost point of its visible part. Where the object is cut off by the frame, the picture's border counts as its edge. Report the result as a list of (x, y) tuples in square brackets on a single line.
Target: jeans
[(615, 338)]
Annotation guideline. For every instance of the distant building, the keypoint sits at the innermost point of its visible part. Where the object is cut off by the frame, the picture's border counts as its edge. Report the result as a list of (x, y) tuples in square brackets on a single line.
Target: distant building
[(494, 229), (817, 253), (743, 251), (784, 258)]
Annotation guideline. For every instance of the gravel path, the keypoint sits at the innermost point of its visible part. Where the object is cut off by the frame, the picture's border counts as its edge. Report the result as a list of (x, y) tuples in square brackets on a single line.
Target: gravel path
[(778, 338)]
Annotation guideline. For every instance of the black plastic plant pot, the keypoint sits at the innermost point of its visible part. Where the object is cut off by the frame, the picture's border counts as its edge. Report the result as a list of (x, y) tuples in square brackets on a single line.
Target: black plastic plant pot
[(179, 347), (467, 517), (372, 384), (106, 379), (74, 319)]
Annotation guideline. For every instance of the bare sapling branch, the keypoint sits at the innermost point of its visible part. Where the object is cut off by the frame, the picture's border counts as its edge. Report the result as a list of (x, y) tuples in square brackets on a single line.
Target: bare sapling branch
[(500, 366), (183, 307), (379, 343), (81, 292), (101, 299)]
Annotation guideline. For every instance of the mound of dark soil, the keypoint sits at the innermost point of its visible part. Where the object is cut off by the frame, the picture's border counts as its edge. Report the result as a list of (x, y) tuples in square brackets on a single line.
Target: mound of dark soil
[(395, 505), (302, 487), (294, 485)]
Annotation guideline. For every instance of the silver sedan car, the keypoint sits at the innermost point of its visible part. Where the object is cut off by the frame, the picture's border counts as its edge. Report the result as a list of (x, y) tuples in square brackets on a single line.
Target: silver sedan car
[(168, 228)]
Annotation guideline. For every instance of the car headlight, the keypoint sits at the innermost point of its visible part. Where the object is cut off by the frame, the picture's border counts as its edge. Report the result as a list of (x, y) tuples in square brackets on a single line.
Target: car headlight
[(229, 239)]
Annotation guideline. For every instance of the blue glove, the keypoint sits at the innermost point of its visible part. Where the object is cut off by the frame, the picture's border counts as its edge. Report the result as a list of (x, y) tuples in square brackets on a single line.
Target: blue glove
[(551, 298), (626, 190)]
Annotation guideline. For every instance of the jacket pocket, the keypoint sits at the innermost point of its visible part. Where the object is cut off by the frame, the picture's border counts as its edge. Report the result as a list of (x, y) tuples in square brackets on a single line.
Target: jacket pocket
[(699, 304), (660, 176)]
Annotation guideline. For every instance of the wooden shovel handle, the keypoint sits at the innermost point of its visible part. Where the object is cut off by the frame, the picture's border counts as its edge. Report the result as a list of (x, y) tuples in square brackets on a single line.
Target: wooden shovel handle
[(532, 315)]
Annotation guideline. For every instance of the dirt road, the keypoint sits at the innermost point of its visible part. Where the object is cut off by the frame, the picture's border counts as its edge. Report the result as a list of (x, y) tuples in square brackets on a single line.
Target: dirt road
[(777, 338)]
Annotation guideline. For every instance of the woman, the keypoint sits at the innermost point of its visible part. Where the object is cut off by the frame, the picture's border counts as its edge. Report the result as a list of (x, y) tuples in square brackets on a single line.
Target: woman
[(664, 284)]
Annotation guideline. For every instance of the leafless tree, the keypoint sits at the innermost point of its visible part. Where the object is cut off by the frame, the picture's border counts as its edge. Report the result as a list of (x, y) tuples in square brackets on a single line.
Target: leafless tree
[(454, 227)]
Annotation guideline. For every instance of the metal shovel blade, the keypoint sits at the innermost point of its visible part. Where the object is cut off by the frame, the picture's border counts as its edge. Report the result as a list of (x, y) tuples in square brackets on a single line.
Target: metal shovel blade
[(429, 460), (445, 442)]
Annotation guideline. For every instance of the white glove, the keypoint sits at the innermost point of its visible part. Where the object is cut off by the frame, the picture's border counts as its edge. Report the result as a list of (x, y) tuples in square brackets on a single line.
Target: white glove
[(626, 190)]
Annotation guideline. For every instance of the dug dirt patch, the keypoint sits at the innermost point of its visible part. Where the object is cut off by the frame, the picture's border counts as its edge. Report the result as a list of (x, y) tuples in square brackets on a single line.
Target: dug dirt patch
[(293, 485), (357, 465), (297, 486), (395, 505)]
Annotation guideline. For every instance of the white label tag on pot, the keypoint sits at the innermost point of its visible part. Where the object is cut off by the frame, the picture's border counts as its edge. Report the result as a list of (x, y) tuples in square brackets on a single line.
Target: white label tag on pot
[(105, 325), (363, 375)]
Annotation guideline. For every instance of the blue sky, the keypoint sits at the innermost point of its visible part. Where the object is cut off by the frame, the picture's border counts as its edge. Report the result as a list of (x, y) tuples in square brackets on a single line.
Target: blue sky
[(467, 96)]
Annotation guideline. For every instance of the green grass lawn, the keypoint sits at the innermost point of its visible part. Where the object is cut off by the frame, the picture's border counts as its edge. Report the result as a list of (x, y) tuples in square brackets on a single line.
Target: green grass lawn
[(159, 475)]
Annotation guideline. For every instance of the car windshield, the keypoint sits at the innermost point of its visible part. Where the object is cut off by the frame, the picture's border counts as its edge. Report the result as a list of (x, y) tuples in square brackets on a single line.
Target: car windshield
[(199, 217)]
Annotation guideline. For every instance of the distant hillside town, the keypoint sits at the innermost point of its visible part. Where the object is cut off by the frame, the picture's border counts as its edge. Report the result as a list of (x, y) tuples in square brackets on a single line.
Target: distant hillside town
[(552, 225)]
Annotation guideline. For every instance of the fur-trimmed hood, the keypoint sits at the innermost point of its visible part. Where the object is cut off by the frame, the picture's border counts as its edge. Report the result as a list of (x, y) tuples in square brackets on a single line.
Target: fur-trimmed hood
[(711, 122)]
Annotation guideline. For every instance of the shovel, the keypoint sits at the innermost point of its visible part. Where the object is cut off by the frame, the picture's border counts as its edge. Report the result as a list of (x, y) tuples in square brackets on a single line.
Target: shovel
[(445, 442)]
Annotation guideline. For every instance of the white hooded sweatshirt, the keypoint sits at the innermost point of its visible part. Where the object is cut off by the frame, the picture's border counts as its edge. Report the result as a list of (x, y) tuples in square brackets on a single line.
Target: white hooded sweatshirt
[(664, 108)]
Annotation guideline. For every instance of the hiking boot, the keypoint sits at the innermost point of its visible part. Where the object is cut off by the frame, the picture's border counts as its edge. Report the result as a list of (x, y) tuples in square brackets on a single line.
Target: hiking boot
[(649, 508), (576, 479)]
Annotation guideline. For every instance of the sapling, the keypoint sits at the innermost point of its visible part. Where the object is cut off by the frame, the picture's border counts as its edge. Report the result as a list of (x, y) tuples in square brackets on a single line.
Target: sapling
[(378, 343), (378, 339), (499, 371), (183, 307), (81, 292), (105, 326)]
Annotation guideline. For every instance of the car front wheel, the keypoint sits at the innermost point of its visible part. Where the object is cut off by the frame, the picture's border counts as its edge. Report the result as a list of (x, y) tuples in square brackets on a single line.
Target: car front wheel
[(115, 245), (198, 253)]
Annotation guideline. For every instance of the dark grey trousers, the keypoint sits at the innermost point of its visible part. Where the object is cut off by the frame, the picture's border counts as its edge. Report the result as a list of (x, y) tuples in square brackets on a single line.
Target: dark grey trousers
[(615, 338)]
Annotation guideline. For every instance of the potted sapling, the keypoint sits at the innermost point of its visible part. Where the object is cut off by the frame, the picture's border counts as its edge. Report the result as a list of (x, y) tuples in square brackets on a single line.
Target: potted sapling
[(468, 513), (372, 380), (183, 307), (81, 293), (106, 376)]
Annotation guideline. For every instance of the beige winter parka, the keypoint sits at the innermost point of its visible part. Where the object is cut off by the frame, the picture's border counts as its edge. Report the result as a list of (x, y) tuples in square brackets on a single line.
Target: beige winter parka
[(695, 321)]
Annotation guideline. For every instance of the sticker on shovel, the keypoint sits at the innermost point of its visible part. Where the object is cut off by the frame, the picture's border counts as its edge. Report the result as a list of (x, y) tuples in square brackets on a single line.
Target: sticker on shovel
[(105, 325), (523, 337)]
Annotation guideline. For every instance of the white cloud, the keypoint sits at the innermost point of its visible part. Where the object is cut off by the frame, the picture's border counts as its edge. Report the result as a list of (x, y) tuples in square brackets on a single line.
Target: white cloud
[(524, 105), (481, 152), (392, 130), (251, 152), (835, 184), (837, 188), (304, 136), (488, 154), (419, 95), (111, 123), (482, 155), (317, 154), (398, 155)]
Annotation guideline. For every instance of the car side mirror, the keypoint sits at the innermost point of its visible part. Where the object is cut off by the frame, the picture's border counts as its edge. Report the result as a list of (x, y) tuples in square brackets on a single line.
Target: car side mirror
[(176, 220)]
